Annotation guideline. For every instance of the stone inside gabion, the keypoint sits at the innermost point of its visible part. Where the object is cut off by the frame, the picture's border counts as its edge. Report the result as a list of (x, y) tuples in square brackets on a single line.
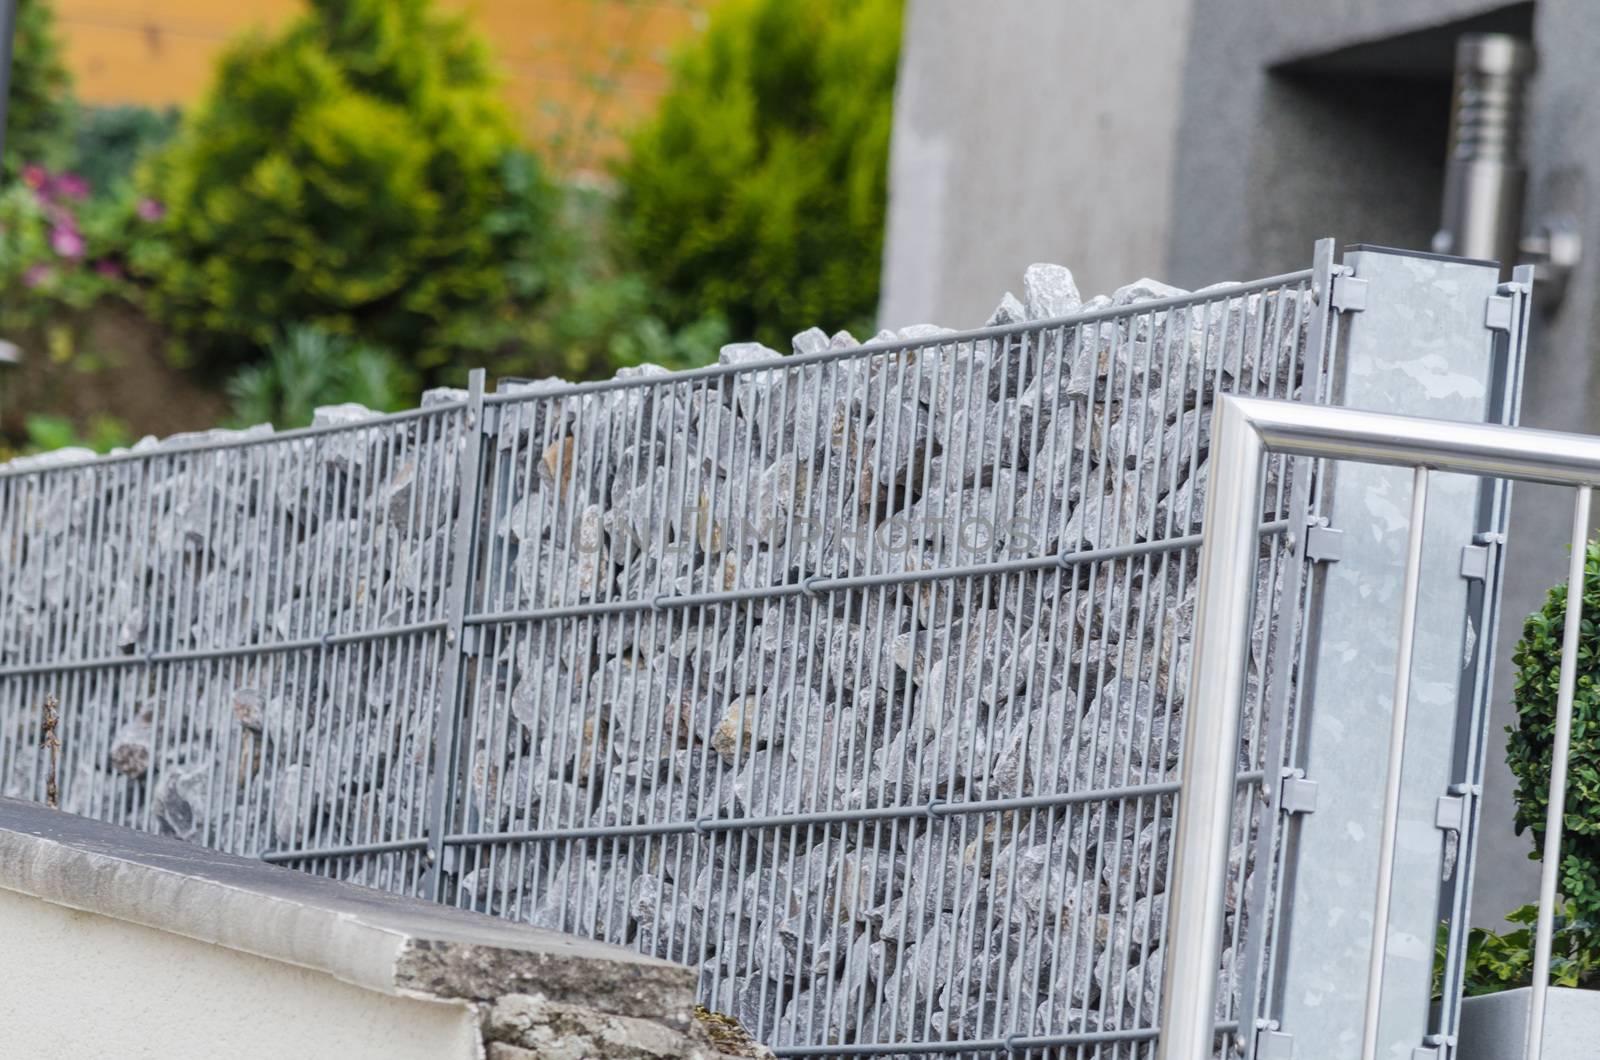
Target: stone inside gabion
[(787, 671)]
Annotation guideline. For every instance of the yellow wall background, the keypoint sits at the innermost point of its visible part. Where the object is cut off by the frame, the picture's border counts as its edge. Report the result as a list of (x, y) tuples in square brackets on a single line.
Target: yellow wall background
[(577, 71)]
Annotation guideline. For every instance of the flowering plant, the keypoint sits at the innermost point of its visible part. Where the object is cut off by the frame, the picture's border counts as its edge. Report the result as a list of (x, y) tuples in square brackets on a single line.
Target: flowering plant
[(63, 247)]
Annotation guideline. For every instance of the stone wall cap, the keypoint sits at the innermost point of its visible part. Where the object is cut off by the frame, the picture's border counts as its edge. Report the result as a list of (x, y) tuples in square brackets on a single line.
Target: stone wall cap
[(382, 942)]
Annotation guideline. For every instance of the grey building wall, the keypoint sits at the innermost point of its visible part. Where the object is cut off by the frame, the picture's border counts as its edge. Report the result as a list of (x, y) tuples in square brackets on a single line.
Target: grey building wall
[(1029, 130), (1201, 140), (1564, 165), (1306, 119)]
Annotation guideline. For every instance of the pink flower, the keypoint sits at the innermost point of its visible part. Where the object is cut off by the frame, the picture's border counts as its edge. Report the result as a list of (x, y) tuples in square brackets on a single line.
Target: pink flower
[(34, 176), (151, 210), (37, 275), (72, 186), (108, 268), (66, 242)]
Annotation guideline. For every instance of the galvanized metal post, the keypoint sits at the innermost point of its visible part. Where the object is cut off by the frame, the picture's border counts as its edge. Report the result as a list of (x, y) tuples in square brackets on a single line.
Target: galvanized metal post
[(1321, 328), (447, 719), (1418, 337), (1491, 537)]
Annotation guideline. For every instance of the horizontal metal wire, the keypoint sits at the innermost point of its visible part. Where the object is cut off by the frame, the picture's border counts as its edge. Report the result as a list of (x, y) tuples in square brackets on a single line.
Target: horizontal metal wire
[(234, 651), (236, 442), (709, 825), (815, 586), (278, 857), (1016, 1043)]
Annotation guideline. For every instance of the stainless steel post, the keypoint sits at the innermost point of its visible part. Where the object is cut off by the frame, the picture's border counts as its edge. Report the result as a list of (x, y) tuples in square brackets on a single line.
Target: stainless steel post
[(1556, 809), (1211, 738), (1484, 173), (1396, 768)]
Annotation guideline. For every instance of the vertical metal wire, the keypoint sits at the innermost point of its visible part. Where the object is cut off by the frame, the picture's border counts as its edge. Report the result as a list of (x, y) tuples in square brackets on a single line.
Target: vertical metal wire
[(447, 718), (1556, 806)]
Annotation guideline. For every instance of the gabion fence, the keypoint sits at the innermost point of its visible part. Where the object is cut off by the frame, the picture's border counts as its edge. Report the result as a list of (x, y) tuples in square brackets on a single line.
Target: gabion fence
[(853, 678), (246, 634)]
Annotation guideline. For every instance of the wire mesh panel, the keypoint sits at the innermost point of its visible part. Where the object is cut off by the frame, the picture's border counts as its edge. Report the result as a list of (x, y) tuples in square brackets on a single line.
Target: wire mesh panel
[(245, 636), (856, 679)]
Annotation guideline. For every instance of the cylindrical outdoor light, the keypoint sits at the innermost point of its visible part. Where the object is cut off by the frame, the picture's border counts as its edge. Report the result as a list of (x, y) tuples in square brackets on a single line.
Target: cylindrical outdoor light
[(1485, 178)]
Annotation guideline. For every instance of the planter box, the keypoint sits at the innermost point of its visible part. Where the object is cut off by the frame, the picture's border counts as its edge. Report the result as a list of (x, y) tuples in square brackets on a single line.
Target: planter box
[(1494, 1026)]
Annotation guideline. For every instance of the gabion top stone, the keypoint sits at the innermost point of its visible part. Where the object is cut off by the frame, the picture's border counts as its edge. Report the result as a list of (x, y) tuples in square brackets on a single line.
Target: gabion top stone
[(1049, 292)]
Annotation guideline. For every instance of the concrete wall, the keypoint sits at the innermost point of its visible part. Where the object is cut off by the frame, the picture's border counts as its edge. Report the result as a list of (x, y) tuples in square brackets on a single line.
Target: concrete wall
[(1304, 119), (1494, 1026), (1029, 131), (82, 985), (119, 943)]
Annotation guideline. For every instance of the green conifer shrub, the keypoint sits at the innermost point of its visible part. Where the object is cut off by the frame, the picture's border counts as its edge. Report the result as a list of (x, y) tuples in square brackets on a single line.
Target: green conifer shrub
[(756, 194), (358, 172)]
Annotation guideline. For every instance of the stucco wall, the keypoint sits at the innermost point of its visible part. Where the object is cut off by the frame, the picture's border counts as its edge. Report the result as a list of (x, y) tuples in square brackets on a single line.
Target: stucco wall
[(553, 54), (1029, 131), (78, 984)]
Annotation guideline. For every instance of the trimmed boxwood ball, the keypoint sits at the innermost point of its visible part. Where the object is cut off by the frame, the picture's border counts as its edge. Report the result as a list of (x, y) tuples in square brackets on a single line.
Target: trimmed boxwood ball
[(1538, 662)]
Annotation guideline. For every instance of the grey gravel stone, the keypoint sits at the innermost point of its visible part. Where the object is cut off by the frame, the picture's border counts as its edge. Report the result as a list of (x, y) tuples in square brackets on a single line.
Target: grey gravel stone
[(1048, 291), (811, 340), (179, 800), (132, 746), (343, 415), (249, 708), (1009, 311)]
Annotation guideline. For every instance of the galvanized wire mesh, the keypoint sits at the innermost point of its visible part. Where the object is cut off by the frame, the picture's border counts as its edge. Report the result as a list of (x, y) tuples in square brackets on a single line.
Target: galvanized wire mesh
[(856, 680), (853, 679), (246, 636)]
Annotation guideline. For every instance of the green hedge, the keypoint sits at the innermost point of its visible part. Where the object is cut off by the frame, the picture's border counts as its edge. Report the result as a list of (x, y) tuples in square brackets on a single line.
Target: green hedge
[(1498, 961), (360, 173), (1538, 662), (39, 108), (757, 192)]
